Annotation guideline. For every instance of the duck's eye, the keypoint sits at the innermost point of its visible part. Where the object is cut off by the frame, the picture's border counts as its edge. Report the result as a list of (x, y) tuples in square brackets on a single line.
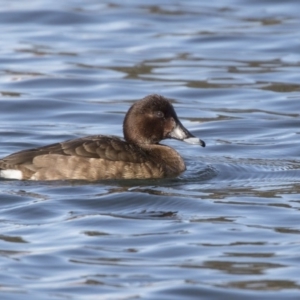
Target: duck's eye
[(159, 114)]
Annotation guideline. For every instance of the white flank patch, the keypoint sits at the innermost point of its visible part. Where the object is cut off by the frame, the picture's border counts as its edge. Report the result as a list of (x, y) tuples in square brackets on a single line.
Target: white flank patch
[(11, 174)]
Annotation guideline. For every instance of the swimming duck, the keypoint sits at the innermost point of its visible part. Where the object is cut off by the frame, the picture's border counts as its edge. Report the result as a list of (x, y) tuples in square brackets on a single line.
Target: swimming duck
[(97, 157)]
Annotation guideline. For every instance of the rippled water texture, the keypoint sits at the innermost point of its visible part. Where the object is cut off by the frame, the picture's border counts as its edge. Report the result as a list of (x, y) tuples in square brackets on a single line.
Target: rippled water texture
[(228, 228)]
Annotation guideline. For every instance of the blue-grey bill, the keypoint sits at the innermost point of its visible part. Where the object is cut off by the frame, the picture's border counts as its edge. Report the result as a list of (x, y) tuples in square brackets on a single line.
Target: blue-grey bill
[(194, 141), (181, 133)]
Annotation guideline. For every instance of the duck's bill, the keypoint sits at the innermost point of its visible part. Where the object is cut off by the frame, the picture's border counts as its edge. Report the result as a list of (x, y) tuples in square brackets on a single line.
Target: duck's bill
[(182, 134), (194, 141)]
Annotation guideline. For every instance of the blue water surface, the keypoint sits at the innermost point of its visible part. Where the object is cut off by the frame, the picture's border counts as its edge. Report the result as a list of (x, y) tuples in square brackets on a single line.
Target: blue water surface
[(227, 228)]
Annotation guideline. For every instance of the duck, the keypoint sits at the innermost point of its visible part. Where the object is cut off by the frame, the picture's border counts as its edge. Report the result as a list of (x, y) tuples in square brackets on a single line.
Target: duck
[(139, 155)]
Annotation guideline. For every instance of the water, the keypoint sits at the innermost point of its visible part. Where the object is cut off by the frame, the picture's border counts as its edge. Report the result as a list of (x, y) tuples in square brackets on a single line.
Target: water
[(228, 228)]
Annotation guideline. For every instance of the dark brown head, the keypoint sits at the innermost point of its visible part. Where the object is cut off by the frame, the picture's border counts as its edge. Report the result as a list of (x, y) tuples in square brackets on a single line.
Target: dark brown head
[(153, 119)]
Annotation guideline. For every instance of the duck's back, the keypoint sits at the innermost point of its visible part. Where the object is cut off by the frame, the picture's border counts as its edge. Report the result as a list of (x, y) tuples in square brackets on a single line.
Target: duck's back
[(90, 158)]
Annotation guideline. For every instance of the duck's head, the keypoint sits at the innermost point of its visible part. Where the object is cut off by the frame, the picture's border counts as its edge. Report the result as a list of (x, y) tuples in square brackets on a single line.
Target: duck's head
[(153, 119)]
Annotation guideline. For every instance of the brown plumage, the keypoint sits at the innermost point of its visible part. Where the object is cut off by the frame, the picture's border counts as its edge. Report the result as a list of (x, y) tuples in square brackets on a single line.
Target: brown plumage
[(98, 157)]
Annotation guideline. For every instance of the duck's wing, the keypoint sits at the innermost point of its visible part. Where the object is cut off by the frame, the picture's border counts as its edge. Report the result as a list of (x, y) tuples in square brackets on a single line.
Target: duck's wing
[(89, 158), (92, 158), (102, 147)]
